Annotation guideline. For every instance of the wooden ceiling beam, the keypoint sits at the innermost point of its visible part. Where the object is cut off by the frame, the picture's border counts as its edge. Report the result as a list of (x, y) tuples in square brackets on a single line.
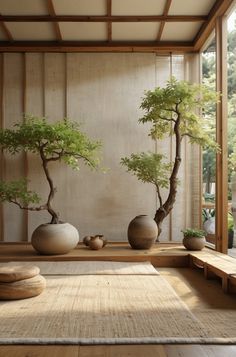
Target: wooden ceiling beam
[(109, 24), (219, 8), (162, 24), (51, 11), (6, 31), (114, 18), (74, 46)]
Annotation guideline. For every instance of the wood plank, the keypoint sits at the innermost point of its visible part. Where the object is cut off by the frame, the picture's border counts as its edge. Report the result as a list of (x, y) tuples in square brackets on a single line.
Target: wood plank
[(219, 8), (111, 18), (109, 24), (119, 351), (123, 351), (219, 351), (185, 351), (2, 163), (159, 255), (77, 46), (6, 31), (39, 351), (162, 24), (221, 137), (52, 13)]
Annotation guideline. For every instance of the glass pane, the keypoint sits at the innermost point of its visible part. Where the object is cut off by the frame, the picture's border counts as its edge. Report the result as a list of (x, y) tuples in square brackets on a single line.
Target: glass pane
[(208, 156), (232, 133)]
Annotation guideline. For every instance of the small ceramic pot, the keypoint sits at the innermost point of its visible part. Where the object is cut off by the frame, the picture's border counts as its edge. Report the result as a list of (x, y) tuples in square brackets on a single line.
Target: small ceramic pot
[(95, 243), (194, 243), (101, 236), (86, 240), (142, 232)]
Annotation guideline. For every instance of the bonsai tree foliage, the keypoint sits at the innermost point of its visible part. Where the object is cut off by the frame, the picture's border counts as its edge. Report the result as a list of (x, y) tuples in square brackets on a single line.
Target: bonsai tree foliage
[(60, 141), (171, 111), (192, 232)]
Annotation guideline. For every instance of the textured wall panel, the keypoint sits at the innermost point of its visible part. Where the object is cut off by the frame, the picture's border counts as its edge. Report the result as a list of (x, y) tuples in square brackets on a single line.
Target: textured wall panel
[(103, 92)]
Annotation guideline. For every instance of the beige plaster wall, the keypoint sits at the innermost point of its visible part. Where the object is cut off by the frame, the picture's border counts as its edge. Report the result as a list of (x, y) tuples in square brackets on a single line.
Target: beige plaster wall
[(103, 92)]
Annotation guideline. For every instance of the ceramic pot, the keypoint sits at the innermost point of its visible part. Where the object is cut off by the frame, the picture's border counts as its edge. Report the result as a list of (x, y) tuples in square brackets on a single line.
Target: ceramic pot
[(142, 232), (95, 243), (230, 239), (86, 240), (55, 238), (194, 243)]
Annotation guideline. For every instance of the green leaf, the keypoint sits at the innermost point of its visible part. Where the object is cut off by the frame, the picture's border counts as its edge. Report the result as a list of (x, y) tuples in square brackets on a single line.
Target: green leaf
[(16, 191), (149, 167)]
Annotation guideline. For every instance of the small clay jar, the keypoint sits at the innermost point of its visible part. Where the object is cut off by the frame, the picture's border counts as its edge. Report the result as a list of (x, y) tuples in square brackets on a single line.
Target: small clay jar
[(104, 242), (86, 240), (95, 243), (101, 236)]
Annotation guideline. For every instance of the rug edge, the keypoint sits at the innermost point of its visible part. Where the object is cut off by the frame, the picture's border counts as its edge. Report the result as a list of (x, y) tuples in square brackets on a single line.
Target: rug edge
[(117, 341)]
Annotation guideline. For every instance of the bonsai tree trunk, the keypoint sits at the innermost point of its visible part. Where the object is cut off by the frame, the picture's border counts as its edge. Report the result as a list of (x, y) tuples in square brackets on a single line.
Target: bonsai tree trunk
[(54, 214), (165, 208)]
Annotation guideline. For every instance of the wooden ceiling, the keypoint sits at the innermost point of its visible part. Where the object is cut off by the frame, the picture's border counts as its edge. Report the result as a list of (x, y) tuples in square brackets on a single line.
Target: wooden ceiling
[(107, 25)]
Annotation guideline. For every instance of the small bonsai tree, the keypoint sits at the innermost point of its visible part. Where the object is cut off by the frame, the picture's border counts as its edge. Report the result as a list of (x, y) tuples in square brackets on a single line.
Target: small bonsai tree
[(192, 232), (60, 141), (171, 111)]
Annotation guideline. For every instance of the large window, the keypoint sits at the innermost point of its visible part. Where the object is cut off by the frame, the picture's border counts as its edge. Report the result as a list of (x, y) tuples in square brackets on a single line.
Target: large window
[(231, 25), (209, 156)]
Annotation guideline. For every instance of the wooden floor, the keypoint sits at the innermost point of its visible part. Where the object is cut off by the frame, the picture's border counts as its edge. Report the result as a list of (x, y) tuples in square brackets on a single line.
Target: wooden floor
[(180, 277), (119, 351)]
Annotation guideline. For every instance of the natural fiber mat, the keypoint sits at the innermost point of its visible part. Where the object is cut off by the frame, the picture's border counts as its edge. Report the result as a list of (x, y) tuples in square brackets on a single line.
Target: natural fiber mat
[(104, 309), (91, 268)]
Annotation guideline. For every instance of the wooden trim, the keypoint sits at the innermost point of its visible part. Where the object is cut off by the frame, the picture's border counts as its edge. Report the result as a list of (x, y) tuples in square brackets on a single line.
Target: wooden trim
[(2, 163), (66, 86), (171, 152), (25, 156), (75, 46), (218, 9), (52, 13), (162, 24), (6, 31), (109, 24), (221, 136), (44, 86), (98, 18)]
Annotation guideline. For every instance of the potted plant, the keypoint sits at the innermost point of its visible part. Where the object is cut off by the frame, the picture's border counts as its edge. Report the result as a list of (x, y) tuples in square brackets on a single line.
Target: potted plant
[(194, 239), (62, 141), (171, 111), (230, 230)]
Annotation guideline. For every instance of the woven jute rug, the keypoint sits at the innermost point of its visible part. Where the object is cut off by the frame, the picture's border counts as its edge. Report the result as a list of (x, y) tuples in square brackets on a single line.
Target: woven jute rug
[(91, 268), (104, 309)]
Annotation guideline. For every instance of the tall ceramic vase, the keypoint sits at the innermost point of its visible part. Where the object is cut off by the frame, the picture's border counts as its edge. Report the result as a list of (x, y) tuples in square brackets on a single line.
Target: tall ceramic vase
[(142, 232)]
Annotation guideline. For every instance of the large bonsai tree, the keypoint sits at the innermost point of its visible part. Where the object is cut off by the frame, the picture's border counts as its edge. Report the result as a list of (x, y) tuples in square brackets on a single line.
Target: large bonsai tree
[(60, 141), (172, 111)]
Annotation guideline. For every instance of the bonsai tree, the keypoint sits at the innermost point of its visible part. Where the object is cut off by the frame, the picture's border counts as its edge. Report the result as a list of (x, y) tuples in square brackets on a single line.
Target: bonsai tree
[(192, 232), (171, 111), (60, 141)]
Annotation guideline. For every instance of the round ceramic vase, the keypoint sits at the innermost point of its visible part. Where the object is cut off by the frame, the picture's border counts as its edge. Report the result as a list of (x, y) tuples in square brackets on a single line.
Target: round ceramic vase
[(142, 232), (55, 238)]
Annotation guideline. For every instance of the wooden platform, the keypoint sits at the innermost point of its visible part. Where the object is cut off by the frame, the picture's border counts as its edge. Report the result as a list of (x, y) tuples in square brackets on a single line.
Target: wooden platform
[(214, 264), (171, 255)]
